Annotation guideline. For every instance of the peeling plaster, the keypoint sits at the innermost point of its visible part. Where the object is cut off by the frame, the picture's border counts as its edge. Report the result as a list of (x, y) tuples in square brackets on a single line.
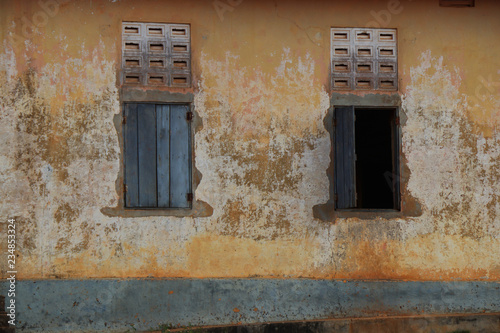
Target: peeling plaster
[(265, 139), (59, 141)]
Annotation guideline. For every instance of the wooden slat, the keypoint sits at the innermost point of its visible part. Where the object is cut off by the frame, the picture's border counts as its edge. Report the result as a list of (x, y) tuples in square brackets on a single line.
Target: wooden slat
[(180, 168), (345, 185), (131, 158), (395, 160), (339, 153), (350, 161), (163, 154), (147, 155)]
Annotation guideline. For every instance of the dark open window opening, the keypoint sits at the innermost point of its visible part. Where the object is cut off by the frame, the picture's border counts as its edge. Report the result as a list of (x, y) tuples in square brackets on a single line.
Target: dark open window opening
[(366, 158)]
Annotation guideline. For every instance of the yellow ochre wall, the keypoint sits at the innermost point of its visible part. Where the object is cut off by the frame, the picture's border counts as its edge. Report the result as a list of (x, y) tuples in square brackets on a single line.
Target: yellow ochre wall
[(261, 87)]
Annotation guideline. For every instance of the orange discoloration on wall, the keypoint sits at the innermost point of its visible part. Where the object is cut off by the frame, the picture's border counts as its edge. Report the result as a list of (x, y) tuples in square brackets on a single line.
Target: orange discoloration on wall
[(261, 87), (391, 260), (233, 256)]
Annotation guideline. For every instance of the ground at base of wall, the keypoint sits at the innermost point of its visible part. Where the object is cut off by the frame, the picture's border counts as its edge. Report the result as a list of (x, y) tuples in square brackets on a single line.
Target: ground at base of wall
[(473, 323)]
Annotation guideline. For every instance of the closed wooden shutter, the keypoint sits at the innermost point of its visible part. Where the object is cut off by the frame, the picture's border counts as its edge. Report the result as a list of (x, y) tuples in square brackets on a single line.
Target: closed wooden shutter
[(157, 142)]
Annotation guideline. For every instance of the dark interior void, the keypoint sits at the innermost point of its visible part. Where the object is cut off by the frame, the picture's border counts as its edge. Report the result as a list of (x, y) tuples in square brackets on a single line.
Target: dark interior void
[(375, 174)]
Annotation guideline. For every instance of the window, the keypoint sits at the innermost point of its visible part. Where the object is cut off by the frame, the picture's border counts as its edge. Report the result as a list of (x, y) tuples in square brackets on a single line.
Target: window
[(364, 59), (365, 173), (158, 174), (156, 54), (456, 3), (366, 150), (157, 150)]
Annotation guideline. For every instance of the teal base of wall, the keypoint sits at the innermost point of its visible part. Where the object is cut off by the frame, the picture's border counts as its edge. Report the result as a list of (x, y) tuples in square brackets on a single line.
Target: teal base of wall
[(146, 304)]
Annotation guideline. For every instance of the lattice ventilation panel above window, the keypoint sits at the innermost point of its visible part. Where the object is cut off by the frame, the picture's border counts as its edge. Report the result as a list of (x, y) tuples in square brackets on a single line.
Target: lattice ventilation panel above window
[(364, 59), (156, 55)]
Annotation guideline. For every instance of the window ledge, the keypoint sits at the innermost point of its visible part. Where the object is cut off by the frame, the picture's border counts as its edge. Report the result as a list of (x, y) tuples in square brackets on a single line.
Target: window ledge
[(369, 214), (199, 209)]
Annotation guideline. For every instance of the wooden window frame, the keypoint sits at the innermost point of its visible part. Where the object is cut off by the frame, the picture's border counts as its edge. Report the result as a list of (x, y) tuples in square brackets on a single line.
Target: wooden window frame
[(199, 208)]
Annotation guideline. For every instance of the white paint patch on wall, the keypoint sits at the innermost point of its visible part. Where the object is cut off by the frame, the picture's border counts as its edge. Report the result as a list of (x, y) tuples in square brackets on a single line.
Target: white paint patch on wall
[(454, 171), (263, 151)]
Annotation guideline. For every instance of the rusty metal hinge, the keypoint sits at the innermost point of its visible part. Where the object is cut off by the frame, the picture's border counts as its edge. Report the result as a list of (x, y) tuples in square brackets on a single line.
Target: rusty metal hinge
[(397, 121), (189, 197), (189, 116), (124, 120), (125, 188)]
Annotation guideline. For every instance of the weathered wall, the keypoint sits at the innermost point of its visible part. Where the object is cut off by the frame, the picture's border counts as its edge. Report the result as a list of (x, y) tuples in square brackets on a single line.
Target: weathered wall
[(261, 85)]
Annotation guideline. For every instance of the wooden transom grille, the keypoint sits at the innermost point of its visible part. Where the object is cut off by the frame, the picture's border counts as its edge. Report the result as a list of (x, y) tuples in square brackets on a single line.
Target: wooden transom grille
[(156, 54), (364, 59)]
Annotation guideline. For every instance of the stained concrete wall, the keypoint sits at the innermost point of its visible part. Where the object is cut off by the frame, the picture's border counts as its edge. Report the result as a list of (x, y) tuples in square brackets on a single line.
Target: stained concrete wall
[(261, 92), (148, 304)]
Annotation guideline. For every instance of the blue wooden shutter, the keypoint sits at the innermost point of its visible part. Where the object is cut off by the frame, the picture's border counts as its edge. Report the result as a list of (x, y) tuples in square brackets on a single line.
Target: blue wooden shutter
[(157, 141), (163, 154), (131, 158), (345, 180), (395, 155), (180, 156), (146, 133)]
